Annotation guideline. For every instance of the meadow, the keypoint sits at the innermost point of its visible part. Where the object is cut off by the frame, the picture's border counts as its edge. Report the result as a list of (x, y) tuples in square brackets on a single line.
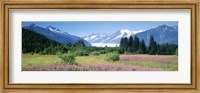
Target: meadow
[(137, 62)]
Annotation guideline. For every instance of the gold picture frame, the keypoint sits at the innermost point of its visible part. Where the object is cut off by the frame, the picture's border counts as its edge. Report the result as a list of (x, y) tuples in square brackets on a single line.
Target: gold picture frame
[(193, 5)]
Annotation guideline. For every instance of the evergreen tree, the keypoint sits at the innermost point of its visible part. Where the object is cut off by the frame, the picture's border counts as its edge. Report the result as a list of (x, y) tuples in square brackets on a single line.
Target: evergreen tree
[(152, 46), (130, 44), (166, 49), (158, 49), (143, 49), (136, 44), (79, 43), (122, 44), (125, 44), (34, 42)]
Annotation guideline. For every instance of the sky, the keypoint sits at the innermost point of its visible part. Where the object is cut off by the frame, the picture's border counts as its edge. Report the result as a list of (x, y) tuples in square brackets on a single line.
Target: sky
[(86, 28)]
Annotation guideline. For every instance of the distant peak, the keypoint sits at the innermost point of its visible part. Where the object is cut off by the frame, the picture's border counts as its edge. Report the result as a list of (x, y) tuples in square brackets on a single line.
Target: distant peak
[(32, 25), (163, 26), (125, 31), (53, 28)]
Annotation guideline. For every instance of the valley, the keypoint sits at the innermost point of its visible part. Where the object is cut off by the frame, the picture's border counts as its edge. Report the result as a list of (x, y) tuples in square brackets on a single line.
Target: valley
[(51, 49)]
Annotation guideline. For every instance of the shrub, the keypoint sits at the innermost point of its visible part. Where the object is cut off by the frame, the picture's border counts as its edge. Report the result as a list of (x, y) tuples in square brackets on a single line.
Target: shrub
[(112, 57), (140, 51), (95, 53), (41, 53), (58, 53), (81, 53), (102, 51), (31, 53), (115, 52), (68, 58), (54, 50)]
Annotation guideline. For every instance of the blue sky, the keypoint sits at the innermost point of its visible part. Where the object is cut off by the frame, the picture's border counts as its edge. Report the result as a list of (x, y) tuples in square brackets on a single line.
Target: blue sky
[(87, 28)]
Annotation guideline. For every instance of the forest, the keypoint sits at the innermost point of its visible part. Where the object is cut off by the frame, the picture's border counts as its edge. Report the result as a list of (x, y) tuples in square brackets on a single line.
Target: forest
[(36, 43)]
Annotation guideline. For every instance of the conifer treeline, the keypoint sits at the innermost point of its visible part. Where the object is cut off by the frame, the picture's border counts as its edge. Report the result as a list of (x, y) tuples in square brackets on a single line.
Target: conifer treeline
[(36, 43), (135, 46), (33, 42)]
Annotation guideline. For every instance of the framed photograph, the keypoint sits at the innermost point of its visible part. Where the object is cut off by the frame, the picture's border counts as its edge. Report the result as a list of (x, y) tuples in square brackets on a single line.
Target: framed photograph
[(112, 45)]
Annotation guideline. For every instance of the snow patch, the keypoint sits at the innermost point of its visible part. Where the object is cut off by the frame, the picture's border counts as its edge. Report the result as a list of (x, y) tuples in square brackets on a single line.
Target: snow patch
[(93, 37), (53, 29)]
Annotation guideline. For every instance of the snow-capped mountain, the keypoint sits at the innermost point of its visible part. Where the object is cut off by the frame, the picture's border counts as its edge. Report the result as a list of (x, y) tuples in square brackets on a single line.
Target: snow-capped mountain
[(55, 34), (99, 37), (53, 29), (128, 33), (113, 38), (162, 34), (116, 37)]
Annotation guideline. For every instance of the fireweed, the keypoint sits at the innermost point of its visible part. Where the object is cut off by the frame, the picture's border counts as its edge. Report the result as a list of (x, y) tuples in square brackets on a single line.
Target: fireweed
[(86, 67)]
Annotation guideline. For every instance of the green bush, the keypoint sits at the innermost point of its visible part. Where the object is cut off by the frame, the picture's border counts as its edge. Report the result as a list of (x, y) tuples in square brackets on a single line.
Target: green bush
[(54, 50), (58, 53), (140, 51), (95, 53), (102, 51), (112, 57), (115, 52), (31, 53), (68, 58), (81, 53), (41, 53)]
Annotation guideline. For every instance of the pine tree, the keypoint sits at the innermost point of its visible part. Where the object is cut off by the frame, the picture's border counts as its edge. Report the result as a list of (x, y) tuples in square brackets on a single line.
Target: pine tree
[(34, 42), (143, 47), (125, 44), (152, 46), (130, 44), (136, 44), (79, 43), (122, 44)]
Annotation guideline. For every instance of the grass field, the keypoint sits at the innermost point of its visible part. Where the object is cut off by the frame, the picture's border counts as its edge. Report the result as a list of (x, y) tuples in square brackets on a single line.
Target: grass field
[(126, 62)]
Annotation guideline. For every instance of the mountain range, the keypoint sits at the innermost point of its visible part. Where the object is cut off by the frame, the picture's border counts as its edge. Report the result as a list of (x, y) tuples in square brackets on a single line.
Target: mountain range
[(55, 34), (113, 38), (162, 34)]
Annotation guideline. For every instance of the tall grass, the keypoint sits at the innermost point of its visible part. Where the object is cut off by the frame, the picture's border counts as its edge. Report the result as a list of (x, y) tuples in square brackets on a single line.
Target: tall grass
[(163, 62)]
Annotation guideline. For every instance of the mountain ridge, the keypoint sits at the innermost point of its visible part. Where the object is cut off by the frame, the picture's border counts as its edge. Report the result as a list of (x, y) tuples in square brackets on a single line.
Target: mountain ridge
[(110, 38), (162, 34), (55, 34)]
